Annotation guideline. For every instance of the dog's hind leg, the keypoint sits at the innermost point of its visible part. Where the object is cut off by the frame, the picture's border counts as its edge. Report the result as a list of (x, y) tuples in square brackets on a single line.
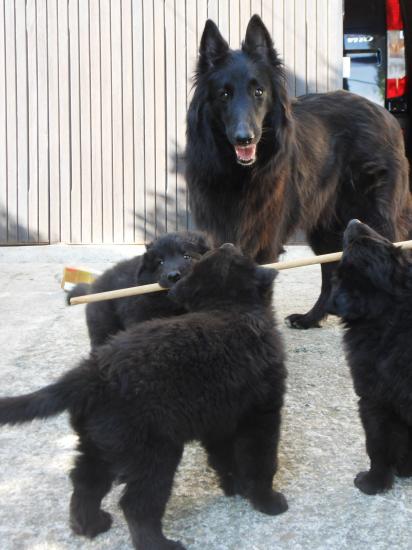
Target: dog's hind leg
[(386, 440), (256, 461), (149, 480), (221, 459), (92, 480)]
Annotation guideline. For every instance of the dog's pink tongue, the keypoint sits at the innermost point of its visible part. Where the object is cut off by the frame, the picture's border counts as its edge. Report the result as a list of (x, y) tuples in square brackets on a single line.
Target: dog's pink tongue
[(245, 153)]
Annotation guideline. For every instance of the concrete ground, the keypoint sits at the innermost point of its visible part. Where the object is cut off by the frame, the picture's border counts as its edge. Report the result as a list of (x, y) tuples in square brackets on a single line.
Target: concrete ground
[(322, 443)]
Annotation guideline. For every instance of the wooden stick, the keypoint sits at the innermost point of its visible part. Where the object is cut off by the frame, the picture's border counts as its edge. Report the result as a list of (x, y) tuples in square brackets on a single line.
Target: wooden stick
[(155, 287)]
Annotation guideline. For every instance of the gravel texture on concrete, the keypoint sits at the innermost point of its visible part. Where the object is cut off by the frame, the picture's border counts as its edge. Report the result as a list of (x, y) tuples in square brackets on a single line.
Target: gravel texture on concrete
[(322, 443)]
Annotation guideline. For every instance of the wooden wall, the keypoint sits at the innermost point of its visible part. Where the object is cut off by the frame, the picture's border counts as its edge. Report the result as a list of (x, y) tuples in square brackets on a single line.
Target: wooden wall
[(93, 97)]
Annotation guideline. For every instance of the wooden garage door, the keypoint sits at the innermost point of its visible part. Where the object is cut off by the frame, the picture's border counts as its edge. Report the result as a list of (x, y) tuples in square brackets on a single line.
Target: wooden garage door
[(93, 96)]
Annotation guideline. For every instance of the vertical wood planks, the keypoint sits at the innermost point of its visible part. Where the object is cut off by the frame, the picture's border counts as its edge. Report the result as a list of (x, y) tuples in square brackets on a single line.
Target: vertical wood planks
[(85, 122), (11, 120), (322, 46), (22, 123), (139, 122), (96, 122), (311, 49), (159, 94), (32, 91), (93, 103), (335, 47), (75, 123), (3, 133), (149, 111), (117, 121), (182, 77), (300, 47), (128, 123), (64, 120), (106, 88), (53, 107), (171, 141)]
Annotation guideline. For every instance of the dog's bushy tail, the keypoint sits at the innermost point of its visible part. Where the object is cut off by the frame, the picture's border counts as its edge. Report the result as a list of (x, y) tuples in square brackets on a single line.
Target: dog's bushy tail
[(79, 290), (67, 392)]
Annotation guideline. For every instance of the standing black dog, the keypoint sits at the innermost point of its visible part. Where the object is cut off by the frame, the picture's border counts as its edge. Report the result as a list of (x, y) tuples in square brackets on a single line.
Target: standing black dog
[(215, 374), (372, 293), (165, 261), (260, 165)]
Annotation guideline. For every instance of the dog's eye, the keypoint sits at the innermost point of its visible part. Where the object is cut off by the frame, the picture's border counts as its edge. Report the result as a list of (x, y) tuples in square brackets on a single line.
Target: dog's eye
[(258, 92), (161, 262), (224, 94), (187, 257)]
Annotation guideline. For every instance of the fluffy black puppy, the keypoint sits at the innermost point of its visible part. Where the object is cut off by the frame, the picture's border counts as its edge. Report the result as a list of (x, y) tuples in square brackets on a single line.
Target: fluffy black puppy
[(215, 374), (372, 293), (165, 261)]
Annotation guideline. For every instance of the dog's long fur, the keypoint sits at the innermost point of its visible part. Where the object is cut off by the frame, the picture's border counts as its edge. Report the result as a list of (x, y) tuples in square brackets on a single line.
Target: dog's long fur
[(215, 374), (372, 293), (166, 260), (320, 160)]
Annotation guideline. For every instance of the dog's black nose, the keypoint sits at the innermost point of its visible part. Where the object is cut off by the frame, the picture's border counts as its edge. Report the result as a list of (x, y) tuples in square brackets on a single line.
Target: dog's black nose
[(244, 139), (227, 245), (173, 276)]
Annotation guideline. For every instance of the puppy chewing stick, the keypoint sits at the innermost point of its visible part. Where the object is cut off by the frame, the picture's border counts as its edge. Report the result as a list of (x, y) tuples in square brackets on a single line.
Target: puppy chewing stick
[(155, 287)]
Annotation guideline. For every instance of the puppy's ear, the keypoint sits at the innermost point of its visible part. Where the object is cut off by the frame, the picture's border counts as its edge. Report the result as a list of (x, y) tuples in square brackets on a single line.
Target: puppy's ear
[(142, 264), (257, 38), (149, 245), (265, 277), (213, 47)]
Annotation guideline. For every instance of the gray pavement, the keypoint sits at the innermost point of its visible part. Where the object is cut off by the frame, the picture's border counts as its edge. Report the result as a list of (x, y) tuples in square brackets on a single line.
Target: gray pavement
[(322, 444)]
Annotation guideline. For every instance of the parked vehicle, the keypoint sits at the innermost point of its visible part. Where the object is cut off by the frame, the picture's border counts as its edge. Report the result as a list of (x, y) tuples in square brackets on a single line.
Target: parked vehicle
[(374, 54)]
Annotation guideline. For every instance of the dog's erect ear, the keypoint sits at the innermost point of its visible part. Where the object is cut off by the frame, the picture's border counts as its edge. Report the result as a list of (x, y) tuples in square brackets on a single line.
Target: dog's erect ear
[(213, 47), (257, 38), (149, 245), (265, 277)]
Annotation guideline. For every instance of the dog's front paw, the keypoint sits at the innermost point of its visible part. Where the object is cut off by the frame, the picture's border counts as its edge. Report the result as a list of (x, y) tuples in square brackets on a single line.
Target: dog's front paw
[(371, 483), (91, 528), (297, 320), (271, 503)]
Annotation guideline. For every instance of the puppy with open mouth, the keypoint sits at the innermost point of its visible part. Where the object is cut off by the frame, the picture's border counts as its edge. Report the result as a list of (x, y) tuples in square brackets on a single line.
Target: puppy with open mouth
[(372, 293)]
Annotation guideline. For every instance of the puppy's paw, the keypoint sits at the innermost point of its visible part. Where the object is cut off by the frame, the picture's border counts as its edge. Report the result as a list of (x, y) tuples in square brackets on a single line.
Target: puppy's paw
[(297, 320), (160, 544), (91, 528), (272, 503), (372, 484)]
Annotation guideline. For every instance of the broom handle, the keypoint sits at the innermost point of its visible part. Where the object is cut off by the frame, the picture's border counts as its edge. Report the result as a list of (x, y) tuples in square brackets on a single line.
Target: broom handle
[(155, 287)]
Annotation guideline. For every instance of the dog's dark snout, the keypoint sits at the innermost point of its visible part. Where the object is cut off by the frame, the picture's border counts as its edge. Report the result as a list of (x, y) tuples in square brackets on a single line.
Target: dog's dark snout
[(244, 139), (354, 222), (173, 276)]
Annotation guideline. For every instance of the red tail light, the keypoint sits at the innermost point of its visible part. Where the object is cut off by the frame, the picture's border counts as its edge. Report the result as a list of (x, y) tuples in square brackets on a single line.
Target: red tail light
[(393, 15), (396, 81)]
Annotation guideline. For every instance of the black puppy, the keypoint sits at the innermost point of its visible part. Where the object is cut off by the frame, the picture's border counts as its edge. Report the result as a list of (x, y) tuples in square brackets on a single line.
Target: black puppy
[(165, 261), (215, 374), (372, 293)]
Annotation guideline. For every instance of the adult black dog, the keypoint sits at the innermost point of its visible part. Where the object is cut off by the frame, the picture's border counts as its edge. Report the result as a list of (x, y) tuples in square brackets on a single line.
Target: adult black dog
[(372, 293), (260, 165), (215, 374), (165, 261)]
